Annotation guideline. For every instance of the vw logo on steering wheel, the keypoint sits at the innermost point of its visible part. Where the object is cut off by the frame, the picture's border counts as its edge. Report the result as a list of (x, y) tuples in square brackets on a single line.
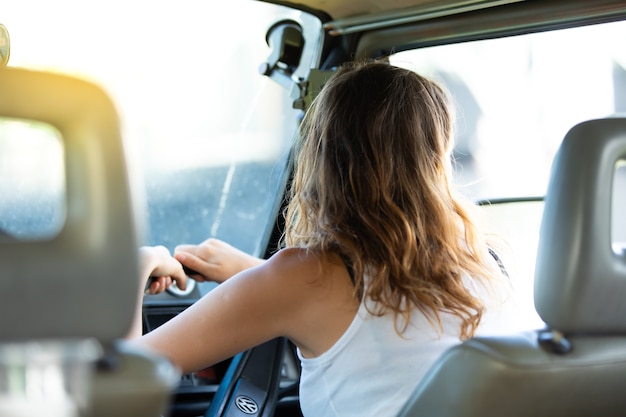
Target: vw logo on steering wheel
[(246, 404)]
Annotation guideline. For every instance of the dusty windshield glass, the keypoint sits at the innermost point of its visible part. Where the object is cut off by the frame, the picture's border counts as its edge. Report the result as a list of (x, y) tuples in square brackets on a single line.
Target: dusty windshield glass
[(208, 136)]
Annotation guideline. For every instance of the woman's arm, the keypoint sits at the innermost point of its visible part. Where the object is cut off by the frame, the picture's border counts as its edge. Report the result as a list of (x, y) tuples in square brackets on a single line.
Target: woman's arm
[(244, 311), (295, 294), (212, 260)]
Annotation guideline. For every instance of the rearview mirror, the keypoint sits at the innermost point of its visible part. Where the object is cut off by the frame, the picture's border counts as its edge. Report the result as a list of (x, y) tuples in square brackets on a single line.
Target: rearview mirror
[(286, 45)]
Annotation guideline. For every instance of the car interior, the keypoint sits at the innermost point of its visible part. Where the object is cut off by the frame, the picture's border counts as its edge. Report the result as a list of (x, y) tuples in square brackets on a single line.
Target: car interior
[(153, 123)]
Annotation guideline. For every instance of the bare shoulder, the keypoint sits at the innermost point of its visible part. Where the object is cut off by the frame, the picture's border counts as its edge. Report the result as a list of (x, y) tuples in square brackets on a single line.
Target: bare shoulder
[(299, 266), (294, 258), (321, 293)]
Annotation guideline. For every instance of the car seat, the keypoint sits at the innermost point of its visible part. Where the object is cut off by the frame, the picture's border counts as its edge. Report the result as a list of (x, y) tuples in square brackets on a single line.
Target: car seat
[(68, 300), (576, 366)]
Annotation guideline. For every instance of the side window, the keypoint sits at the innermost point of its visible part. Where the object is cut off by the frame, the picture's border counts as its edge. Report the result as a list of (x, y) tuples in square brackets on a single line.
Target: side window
[(517, 97)]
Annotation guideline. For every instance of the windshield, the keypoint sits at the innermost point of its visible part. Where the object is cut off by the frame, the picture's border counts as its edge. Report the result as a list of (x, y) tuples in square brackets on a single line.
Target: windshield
[(208, 136), (517, 97)]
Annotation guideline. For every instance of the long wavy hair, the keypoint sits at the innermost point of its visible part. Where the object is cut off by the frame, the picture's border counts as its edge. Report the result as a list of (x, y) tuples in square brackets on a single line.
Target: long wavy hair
[(372, 183)]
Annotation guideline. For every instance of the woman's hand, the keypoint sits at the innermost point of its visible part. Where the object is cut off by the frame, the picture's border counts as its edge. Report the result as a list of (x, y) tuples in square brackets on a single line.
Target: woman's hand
[(158, 265), (214, 260)]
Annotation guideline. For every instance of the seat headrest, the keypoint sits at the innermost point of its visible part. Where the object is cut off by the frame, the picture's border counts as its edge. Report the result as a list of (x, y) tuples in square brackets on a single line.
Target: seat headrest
[(82, 283), (580, 279)]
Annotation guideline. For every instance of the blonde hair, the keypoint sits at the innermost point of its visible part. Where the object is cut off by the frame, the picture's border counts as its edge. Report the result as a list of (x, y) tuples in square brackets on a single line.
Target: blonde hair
[(373, 184)]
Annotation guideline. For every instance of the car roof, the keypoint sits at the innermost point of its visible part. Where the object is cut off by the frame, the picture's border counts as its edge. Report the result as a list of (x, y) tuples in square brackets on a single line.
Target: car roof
[(380, 9)]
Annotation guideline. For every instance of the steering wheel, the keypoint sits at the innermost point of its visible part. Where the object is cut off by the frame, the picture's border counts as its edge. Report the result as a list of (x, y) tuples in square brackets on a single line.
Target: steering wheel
[(251, 383)]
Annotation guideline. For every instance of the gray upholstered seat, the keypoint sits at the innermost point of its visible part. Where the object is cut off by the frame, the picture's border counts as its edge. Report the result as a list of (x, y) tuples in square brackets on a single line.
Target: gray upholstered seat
[(72, 297), (577, 366)]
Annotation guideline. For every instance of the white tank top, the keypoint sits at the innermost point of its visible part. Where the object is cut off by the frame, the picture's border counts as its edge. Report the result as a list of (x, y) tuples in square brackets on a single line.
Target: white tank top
[(371, 370)]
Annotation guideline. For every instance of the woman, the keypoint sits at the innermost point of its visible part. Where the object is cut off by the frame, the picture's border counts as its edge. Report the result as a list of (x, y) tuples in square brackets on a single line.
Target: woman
[(382, 268)]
